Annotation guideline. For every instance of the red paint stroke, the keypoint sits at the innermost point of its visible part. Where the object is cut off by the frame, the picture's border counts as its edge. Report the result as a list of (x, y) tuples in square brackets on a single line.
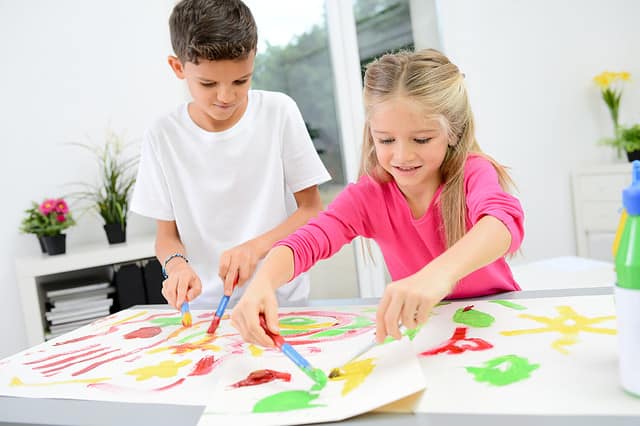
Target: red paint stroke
[(169, 386), (459, 343), (108, 387), (111, 329), (143, 333), (203, 366), (314, 349), (259, 377), (206, 315), (55, 371), (467, 308), (66, 360), (61, 354)]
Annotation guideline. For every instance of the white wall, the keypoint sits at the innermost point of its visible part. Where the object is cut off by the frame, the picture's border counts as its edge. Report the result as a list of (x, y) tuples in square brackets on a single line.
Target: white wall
[(70, 69), (529, 67)]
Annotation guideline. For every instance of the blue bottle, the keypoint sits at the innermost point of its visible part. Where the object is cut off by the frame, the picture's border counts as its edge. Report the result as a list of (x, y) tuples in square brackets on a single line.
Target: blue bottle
[(627, 289)]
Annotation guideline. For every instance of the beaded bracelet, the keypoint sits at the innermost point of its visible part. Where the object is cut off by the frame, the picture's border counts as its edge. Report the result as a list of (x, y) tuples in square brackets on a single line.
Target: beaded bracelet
[(164, 266)]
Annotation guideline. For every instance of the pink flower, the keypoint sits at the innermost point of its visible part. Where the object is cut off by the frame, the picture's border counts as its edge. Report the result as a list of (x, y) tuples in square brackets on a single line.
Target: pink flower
[(61, 217), (61, 206), (47, 206)]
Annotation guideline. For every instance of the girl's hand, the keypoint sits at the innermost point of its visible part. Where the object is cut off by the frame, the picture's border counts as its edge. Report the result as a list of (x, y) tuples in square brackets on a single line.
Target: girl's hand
[(410, 301), (183, 284), (259, 297), (239, 263)]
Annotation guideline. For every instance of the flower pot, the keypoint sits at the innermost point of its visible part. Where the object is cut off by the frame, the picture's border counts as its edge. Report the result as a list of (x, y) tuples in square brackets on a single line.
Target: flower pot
[(55, 244), (41, 241), (116, 233), (633, 155)]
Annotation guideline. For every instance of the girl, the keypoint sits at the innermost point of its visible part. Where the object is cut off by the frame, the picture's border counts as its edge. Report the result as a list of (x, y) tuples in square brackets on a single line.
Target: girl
[(434, 203)]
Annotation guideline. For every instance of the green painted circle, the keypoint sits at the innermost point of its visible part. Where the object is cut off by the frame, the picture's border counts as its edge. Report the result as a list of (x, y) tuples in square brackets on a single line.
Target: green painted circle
[(297, 321)]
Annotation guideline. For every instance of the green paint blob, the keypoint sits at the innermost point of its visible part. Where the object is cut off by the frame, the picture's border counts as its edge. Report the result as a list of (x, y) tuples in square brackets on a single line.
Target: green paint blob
[(286, 401), (318, 377), (165, 322), (359, 322), (508, 304), (328, 333), (191, 336), (296, 321), (503, 370), (473, 318)]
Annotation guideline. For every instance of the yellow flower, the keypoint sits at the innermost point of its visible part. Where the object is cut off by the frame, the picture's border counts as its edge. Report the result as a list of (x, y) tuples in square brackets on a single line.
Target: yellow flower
[(606, 78)]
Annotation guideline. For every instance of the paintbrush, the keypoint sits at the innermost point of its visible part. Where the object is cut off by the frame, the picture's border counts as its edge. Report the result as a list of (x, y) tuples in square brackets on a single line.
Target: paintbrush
[(315, 374), (335, 372), (215, 322), (186, 314)]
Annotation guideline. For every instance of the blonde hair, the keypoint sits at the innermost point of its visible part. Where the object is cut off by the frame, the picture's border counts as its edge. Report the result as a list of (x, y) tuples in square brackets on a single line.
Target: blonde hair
[(429, 78)]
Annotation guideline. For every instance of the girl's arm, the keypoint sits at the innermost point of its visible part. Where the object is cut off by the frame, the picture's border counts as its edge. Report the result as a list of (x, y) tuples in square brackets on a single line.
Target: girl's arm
[(411, 299), (240, 261), (259, 297)]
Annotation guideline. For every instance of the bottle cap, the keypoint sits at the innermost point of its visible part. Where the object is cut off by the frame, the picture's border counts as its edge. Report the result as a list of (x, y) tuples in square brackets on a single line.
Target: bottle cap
[(631, 194)]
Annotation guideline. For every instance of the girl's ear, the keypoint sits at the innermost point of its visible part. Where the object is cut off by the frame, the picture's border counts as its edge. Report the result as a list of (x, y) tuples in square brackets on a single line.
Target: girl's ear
[(176, 66)]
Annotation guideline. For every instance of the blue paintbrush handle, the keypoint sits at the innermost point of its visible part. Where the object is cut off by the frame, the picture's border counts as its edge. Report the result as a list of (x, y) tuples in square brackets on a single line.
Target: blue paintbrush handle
[(222, 306), (294, 356), (184, 308)]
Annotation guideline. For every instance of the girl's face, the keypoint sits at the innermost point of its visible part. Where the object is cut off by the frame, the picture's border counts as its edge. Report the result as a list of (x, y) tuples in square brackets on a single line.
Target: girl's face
[(409, 146)]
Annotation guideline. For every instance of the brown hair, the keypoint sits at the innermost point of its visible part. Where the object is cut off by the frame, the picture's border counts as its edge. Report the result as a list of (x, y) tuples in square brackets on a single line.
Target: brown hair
[(427, 76), (212, 30)]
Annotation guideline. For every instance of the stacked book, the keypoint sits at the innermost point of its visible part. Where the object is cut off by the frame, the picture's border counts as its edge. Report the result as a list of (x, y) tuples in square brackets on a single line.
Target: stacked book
[(73, 307)]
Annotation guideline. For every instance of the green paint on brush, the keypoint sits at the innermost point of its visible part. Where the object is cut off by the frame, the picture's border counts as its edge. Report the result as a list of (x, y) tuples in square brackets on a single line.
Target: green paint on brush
[(508, 304), (286, 401), (473, 318), (318, 377), (503, 370), (165, 322)]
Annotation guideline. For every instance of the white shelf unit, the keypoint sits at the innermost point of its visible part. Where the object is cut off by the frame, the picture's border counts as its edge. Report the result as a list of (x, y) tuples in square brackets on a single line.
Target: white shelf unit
[(597, 205), (34, 271)]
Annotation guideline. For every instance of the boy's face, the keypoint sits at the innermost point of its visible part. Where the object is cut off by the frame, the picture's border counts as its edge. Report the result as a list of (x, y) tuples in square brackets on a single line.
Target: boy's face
[(219, 90)]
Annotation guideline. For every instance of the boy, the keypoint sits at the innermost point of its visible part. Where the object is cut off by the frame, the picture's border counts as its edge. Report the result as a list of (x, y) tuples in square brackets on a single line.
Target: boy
[(222, 174)]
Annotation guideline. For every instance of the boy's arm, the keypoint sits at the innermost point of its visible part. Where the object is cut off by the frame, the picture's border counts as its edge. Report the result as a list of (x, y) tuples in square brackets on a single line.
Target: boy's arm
[(240, 261), (182, 282)]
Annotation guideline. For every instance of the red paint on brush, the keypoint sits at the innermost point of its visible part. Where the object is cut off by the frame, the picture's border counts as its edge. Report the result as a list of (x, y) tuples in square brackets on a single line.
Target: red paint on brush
[(259, 377), (143, 333), (215, 322), (467, 308)]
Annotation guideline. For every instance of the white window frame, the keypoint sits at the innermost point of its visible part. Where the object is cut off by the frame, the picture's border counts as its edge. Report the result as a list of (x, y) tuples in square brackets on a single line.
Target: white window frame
[(345, 61)]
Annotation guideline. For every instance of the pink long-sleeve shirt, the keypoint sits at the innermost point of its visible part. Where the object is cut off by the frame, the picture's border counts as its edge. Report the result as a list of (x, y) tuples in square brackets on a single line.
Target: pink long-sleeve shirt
[(380, 211)]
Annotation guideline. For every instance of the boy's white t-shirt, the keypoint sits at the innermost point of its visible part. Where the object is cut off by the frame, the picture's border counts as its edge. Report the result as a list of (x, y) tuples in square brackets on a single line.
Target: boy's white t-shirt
[(224, 188)]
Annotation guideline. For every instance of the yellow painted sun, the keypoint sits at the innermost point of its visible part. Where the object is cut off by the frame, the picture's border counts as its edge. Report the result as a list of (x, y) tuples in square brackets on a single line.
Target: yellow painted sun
[(568, 323)]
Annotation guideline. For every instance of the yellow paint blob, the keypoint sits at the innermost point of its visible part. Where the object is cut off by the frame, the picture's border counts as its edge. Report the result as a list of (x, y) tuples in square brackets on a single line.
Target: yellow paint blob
[(354, 374), (255, 351), (163, 370), (568, 323)]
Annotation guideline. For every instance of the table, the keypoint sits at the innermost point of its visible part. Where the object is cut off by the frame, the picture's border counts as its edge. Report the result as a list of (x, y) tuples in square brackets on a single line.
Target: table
[(30, 411)]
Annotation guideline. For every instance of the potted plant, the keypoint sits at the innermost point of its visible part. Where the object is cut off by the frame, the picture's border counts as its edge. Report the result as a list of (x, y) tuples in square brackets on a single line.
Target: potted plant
[(110, 196), (624, 138), (47, 221)]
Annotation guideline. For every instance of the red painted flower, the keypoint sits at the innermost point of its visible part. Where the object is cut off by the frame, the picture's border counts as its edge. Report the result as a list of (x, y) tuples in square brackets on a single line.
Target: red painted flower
[(47, 206), (61, 206)]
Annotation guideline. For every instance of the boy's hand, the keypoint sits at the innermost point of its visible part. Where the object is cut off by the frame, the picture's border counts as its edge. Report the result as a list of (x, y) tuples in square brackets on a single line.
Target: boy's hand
[(409, 301), (239, 263), (259, 297), (183, 284)]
